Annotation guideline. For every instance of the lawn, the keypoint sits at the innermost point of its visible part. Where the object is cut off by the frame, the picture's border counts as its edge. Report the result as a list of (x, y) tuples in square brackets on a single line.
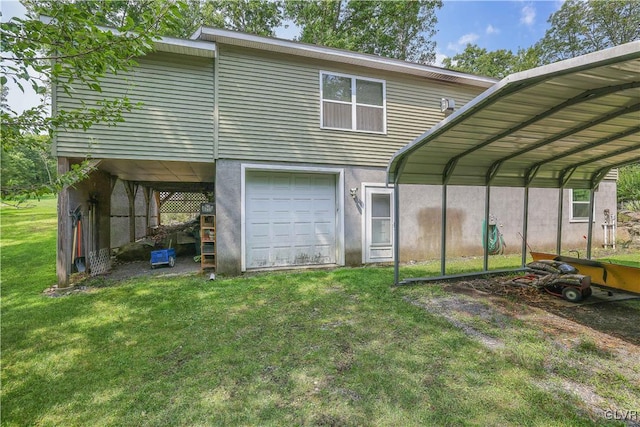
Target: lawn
[(339, 347)]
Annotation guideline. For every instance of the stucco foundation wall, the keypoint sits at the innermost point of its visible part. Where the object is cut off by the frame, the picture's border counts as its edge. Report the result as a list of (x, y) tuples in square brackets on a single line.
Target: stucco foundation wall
[(421, 217), (228, 217)]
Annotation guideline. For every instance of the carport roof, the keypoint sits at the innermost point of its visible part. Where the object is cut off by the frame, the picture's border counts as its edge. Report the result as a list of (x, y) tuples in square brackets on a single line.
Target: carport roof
[(563, 124)]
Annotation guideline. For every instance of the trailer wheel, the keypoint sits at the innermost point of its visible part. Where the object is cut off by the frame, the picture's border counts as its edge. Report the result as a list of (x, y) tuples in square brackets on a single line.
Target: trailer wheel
[(172, 261), (572, 294)]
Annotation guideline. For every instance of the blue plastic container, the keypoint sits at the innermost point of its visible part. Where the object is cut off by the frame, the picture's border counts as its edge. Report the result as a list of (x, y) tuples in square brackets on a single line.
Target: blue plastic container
[(163, 257)]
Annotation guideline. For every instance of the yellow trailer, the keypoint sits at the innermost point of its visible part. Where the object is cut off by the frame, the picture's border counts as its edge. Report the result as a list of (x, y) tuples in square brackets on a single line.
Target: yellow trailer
[(615, 276)]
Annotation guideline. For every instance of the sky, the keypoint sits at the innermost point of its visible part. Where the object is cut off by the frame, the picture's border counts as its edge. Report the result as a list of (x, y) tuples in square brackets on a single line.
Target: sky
[(489, 24)]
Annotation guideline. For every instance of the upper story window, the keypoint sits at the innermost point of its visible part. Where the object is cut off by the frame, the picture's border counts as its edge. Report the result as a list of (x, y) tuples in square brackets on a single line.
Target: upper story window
[(353, 103), (580, 205)]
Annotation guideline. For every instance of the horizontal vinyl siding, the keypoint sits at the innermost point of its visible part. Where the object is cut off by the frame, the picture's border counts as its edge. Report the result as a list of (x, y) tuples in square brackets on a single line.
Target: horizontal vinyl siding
[(269, 109), (613, 174), (175, 121)]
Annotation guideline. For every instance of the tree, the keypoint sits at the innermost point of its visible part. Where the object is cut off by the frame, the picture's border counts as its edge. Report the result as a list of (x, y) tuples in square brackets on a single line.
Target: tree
[(394, 29), (66, 49), (28, 166), (498, 63), (580, 27), (249, 16)]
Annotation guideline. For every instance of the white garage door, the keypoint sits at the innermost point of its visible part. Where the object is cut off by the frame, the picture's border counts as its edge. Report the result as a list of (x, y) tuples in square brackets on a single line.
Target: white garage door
[(290, 219)]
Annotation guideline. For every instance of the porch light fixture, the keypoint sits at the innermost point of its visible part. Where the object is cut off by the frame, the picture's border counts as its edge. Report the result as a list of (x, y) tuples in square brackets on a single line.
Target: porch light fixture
[(353, 192)]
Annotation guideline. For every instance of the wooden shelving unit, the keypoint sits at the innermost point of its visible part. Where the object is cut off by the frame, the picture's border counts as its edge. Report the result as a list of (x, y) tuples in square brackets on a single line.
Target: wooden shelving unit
[(208, 241)]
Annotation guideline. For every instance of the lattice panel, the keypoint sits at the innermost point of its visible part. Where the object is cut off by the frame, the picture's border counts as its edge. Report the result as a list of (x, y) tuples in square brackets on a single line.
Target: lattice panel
[(179, 202), (99, 261)]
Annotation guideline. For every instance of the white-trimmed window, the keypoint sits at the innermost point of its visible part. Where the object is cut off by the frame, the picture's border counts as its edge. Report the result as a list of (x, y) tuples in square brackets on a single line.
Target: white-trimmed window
[(580, 204), (352, 103)]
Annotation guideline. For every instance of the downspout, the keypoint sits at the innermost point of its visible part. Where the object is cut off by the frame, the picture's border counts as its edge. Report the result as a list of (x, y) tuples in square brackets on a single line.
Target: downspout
[(216, 101)]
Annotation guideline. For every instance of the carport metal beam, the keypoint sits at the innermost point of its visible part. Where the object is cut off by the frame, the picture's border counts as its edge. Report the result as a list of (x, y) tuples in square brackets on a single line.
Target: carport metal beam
[(493, 169), (615, 64)]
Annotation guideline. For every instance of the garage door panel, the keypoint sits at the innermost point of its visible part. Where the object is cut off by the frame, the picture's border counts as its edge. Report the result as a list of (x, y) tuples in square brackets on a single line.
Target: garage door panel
[(323, 230), (282, 230), (260, 230), (290, 219)]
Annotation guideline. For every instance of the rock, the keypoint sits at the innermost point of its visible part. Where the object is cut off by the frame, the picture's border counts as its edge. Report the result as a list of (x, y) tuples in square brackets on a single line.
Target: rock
[(623, 237), (136, 251), (628, 229)]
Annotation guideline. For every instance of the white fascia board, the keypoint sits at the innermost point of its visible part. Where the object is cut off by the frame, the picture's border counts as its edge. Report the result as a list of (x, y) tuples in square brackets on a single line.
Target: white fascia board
[(200, 48), (339, 55)]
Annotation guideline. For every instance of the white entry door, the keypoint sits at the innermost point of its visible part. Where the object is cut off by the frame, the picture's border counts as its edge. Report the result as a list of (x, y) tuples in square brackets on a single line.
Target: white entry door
[(290, 219), (378, 224)]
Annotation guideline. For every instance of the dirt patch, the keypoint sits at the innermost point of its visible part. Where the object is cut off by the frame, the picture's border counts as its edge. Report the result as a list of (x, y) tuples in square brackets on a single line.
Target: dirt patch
[(588, 342), (125, 270), (82, 283), (612, 313)]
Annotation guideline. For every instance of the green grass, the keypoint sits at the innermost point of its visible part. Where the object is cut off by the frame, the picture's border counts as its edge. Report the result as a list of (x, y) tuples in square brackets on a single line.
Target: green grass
[(337, 347)]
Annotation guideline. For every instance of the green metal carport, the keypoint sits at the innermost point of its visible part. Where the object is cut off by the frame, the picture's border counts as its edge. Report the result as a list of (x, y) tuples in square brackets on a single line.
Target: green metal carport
[(563, 125)]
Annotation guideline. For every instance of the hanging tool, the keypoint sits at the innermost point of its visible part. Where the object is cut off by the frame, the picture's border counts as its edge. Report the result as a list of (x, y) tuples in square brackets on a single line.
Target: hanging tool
[(79, 260)]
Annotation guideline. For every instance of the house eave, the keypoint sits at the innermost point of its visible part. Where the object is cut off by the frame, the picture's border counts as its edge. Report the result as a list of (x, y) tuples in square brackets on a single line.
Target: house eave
[(338, 55)]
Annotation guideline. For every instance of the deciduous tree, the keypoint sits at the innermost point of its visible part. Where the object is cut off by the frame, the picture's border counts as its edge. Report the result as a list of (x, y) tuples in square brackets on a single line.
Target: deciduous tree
[(581, 27), (69, 48), (394, 29), (498, 63)]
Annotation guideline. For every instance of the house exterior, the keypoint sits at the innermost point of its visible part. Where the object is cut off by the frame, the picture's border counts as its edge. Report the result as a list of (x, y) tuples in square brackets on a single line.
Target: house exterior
[(292, 142)]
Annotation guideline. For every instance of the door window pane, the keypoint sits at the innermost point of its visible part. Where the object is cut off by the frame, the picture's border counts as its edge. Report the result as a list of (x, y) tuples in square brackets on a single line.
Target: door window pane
[(381, 231), (381, 205)]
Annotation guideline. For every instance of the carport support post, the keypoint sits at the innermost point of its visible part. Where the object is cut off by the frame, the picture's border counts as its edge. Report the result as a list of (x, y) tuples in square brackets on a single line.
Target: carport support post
[(485, 260), (592, 194), (443, 233), (559, 226), (396, 231), (525, 225)]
